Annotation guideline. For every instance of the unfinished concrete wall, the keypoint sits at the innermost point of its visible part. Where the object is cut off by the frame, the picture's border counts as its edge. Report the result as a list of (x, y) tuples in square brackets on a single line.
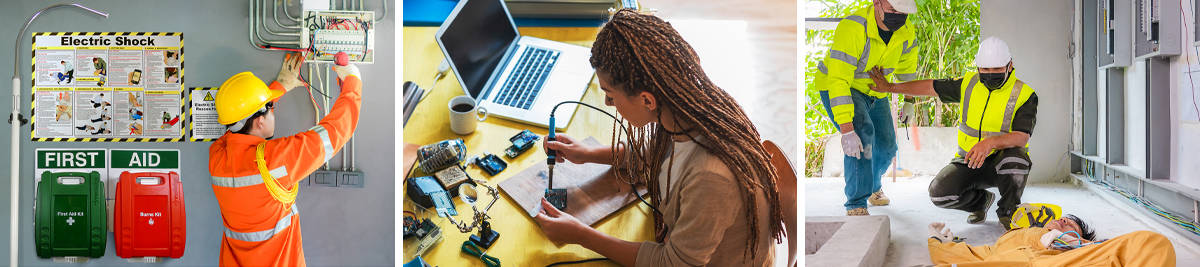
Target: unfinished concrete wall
[(1037, 33), (1184, 118)]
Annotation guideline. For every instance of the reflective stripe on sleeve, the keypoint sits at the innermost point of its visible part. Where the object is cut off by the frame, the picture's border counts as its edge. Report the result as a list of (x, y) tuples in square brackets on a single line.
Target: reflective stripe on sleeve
[(326, 144)]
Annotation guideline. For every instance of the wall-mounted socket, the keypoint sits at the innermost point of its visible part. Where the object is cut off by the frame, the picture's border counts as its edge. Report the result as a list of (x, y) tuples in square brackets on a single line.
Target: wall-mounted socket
[(324, 178), (350, 179)]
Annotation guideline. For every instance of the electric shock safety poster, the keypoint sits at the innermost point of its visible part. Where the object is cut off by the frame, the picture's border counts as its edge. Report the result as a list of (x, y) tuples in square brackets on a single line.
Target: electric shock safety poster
[(108, 87)]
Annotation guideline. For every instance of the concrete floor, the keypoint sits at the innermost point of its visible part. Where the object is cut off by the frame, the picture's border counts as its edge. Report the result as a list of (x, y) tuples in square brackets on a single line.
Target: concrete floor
[(911, 212)]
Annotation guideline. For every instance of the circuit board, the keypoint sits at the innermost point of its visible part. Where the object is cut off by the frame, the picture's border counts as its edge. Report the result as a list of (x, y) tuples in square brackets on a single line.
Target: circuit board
[(490, 164), (520, 143)]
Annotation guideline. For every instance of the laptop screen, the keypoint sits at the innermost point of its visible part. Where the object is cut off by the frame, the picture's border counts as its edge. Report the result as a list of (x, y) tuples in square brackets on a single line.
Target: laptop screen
[(475, 41)]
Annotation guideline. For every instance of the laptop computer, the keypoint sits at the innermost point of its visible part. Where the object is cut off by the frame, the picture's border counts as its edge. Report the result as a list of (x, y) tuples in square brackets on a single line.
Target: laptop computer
[(512, 76)]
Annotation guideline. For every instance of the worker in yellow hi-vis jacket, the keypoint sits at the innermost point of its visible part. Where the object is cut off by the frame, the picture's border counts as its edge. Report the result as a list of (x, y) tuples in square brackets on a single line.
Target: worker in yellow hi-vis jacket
[(871, 37)]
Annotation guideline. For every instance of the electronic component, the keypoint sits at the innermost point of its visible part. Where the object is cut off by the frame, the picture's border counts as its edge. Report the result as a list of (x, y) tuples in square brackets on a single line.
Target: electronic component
[(520, 143), (414, 228), (556, 196), (426, 192), (325, 33), (424, 234), (437, 156), (491, 164), (452, 177)]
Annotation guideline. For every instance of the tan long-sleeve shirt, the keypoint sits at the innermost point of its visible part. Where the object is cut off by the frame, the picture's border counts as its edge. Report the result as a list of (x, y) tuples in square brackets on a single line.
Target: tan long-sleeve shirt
[(705, 216)]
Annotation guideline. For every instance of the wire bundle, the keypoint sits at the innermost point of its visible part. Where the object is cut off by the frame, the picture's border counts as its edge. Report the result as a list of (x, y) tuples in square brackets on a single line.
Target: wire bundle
[(1156, 209)]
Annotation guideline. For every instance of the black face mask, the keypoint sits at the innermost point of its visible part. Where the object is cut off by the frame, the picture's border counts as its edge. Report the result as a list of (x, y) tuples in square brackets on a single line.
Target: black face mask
[(994, 81), (893, 21)]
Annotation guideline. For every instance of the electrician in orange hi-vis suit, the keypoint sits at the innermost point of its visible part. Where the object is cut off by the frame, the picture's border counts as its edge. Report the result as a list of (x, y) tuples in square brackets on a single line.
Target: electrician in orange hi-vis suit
[(256, 178)]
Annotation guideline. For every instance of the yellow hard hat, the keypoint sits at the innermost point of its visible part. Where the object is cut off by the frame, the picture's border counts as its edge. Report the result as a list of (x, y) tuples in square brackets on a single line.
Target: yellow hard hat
[(241, 96), (1034, 214)]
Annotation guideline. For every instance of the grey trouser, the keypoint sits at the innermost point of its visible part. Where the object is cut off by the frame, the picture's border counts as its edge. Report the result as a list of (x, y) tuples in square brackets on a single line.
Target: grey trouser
[(962, 188)]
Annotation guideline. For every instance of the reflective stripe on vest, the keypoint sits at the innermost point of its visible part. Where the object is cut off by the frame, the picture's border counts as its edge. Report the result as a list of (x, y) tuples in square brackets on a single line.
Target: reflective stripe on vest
[(860, 61), (968, 136), (265, 235), (247, 180)]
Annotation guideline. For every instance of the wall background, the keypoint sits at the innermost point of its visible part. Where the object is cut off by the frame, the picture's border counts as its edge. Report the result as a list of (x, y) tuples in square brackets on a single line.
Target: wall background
[(1040, 58), (341, 226)]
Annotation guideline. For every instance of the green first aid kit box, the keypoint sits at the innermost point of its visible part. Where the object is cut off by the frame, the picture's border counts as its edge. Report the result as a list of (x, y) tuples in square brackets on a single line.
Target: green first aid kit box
[(70, 216)]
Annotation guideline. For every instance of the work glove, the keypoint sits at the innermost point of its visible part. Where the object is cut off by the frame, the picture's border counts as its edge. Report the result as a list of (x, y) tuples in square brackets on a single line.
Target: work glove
[(851, 144), (289, 74), (907, 113), (939, 231), (345, 71)]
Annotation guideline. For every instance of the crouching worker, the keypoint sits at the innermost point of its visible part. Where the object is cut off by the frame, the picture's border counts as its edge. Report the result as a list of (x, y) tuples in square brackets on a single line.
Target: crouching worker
[(998, 115), (1067, 241)]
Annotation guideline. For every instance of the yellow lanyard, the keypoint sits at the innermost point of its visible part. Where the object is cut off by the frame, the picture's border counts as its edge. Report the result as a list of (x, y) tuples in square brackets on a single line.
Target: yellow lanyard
[(282, 195)]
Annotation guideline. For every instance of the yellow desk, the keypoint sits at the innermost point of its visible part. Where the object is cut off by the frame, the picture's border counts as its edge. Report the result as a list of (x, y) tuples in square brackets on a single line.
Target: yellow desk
[(521, 242)]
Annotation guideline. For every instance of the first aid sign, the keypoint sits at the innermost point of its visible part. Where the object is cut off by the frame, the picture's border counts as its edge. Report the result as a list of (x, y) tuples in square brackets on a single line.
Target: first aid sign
[(71, 159)]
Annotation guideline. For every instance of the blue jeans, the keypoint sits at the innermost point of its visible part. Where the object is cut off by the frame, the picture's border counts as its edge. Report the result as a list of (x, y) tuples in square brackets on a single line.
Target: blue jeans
[(874, 126)]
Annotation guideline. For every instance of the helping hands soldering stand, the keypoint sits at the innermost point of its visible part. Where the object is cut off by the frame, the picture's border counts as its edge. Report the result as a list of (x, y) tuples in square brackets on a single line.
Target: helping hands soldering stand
[(469, 195)]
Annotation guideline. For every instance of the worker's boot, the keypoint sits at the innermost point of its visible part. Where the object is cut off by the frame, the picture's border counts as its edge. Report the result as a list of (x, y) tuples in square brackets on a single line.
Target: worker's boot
[(979, 215), (857, 212), (878, 199), (1006, 221)]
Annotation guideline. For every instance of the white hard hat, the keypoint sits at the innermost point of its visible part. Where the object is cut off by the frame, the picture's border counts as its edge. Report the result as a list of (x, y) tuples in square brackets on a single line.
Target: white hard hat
[(993, 53), (904, 6)]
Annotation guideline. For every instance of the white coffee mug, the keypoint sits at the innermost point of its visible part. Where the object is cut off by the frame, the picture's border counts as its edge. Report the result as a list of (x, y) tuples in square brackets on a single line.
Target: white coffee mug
[(464, 119)]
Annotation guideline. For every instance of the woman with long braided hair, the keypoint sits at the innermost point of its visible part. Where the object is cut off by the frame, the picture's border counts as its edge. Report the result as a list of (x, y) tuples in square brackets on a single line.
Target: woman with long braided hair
[(712, 188)]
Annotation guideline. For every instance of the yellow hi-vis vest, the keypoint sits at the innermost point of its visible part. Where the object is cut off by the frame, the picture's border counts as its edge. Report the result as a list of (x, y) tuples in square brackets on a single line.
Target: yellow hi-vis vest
[(988, 113), (856, 49)]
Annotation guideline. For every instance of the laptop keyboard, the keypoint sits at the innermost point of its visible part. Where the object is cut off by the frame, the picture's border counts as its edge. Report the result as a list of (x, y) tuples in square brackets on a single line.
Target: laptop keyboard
[(525, 81)]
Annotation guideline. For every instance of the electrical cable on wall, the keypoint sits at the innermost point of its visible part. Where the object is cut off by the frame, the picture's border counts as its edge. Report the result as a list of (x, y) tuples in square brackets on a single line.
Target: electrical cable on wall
[(1187, 60)]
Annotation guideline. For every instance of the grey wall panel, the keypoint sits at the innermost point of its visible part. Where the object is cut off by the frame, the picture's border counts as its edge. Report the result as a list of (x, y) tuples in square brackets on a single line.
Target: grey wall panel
[(341, 226), (1115, 116)]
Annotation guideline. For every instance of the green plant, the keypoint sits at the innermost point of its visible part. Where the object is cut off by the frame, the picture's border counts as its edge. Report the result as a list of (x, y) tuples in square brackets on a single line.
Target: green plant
[(947, 34)]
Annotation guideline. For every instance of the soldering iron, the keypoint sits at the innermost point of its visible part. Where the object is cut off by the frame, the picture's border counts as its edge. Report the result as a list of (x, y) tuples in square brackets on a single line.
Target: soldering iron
[(558, 197)]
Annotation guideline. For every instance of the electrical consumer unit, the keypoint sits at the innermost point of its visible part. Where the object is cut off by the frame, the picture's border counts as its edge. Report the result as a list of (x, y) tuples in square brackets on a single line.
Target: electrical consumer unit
[(325, 33), (1114, 33), (1157, 29)]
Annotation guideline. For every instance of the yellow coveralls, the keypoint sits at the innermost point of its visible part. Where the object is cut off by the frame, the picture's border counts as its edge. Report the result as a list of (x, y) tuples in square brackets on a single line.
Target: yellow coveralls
[(1022, 247)]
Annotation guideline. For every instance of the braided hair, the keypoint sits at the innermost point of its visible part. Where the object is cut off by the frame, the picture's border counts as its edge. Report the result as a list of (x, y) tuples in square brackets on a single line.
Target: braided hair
[(643, 53)]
